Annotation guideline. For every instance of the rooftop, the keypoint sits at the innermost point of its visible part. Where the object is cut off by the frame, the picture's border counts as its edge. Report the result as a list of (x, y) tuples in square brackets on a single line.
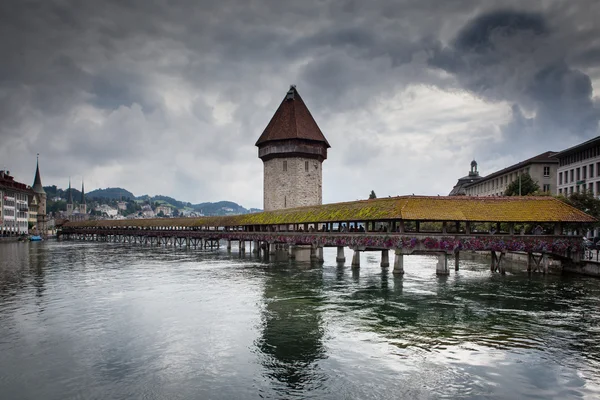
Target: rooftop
[(581, 146), (542, 209), (544, 158), (292, 120)]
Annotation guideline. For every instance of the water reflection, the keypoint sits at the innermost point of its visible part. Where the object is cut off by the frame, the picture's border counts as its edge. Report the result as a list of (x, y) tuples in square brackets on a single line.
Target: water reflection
[(291, 335), (14, 267), (115, 321)]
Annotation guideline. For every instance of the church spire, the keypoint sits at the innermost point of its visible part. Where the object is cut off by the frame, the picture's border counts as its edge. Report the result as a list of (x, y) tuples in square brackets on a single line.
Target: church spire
[(37, 182), (82, 193), (70, 198)]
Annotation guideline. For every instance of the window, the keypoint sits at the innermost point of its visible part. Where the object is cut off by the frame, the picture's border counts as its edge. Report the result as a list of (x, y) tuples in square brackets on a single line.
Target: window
[(546, 171), (559, 191), (584, 172), (285, 166), (571, 179), (306, 166), (578, 174), (560, 178), (591, 170), (546, 187)]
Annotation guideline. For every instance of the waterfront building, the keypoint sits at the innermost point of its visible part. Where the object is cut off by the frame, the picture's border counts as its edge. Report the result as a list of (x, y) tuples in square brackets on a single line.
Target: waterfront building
[(15, 205), (542, 169), (472, 177), (579, 168), (292, 148)]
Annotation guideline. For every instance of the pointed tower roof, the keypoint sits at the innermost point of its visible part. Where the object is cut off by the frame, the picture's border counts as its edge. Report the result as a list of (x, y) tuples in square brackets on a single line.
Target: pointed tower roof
[(292, 120), (37, 181), (70, 198), (82, 193)]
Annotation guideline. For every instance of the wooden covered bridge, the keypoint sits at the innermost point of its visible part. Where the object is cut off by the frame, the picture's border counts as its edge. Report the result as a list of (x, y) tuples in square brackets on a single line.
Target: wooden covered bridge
[(444, 226)]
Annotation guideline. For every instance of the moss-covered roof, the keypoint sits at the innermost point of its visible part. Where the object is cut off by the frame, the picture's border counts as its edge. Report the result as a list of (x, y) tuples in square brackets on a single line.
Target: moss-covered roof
[(415, 208)]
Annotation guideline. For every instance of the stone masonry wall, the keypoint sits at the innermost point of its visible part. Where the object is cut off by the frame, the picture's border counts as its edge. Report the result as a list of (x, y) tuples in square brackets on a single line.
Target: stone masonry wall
[(294, 187)]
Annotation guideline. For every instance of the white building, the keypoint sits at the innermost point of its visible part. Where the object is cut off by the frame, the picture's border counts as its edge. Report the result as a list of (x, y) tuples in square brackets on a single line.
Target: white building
[(15, 205), (107, 210), (166, 210), (542, 169), (579, 168)]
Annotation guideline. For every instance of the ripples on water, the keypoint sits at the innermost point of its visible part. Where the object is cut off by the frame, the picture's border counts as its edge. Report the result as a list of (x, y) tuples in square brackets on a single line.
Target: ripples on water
[(88, 320)]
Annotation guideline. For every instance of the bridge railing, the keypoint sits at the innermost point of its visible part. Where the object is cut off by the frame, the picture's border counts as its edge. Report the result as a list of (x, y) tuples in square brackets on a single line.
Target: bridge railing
[(408, 241)]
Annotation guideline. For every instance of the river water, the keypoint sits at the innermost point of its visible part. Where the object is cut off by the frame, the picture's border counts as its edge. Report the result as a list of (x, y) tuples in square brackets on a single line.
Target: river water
[(83, 320)]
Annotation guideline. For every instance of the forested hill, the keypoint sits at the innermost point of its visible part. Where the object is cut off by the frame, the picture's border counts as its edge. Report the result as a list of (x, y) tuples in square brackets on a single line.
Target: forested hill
[(111, 195)]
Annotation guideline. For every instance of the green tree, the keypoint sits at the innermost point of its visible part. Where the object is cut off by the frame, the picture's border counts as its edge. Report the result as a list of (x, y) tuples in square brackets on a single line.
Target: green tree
[(527, 184), (160, 214), (175, 212), (584, 201), (372, 195)]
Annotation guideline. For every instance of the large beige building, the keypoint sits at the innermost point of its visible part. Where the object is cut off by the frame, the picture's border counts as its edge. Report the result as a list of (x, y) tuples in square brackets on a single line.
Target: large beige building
[(542, 169), (22, 206), (292, 148), (579, 168)]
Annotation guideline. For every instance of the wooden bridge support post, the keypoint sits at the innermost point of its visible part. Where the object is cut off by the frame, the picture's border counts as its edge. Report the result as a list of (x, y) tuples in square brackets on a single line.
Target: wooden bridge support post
[(228, 244), (313, 253), (242, 246), (529, 261), (272, 249), (356, 259), (255, 247), (385, 258), (442, 264), (341, 258), (320, 257), (398, 262), (496, 263), (456, 260), (291, 253), (501, 263), (545, 263)]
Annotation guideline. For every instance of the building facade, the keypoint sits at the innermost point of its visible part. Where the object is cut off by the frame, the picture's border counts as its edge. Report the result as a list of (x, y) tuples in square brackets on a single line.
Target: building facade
[(292, 148), (472, 177), (579, 168), (542, 169), (15, 206)]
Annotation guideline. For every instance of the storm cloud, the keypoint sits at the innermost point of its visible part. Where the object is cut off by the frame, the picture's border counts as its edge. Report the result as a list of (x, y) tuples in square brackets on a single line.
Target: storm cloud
[(169, 97)]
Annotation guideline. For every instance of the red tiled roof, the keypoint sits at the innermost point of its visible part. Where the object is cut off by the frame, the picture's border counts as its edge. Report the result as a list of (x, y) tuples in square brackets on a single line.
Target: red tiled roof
[(292, 120)]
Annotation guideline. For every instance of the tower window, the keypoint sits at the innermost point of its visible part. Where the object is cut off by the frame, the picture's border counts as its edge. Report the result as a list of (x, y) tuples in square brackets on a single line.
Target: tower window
[(285, 165), (306, 166)]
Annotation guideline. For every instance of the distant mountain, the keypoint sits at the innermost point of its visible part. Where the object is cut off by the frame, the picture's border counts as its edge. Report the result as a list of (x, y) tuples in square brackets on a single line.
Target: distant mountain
[(106, 195), (164, 199), (220, 208), (53, 191), (110, 193)]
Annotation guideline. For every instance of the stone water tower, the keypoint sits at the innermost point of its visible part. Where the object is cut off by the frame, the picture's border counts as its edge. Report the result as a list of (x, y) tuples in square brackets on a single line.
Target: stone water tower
[(292, 148)]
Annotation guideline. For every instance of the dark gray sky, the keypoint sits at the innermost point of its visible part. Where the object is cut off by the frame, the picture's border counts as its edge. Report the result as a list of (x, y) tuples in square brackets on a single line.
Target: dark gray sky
[(169, 97)]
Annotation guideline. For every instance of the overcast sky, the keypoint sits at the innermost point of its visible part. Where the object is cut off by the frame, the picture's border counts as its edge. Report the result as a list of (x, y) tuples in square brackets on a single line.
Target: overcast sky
[(169, 97)]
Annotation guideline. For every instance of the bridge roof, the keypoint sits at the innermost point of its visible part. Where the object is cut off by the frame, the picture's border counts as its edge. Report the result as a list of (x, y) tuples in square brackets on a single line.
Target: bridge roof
[(413, 208)]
